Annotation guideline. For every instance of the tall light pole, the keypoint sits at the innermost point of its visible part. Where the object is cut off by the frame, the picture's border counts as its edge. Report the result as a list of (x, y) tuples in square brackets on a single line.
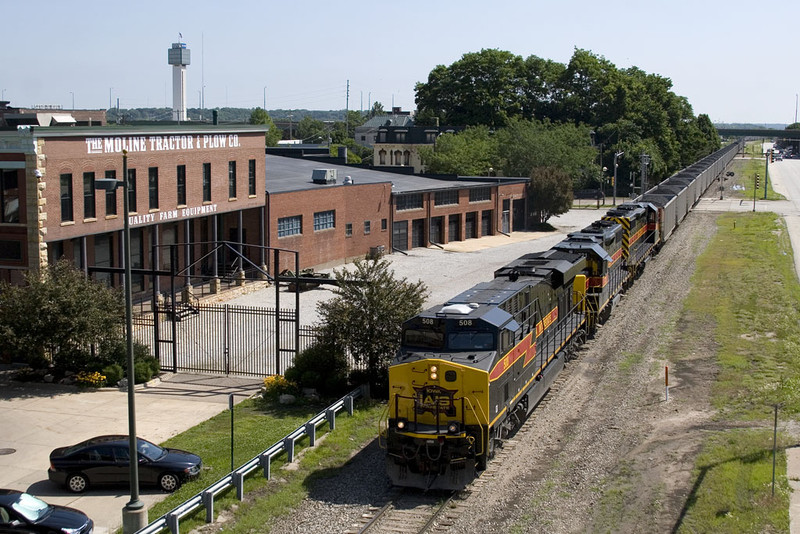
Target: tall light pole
[(134, 514), (265, 98), (616, 157), (73, 100), (645, 161)]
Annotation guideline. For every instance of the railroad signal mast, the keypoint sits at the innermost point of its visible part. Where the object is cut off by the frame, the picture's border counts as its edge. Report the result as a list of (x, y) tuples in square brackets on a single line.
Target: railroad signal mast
[(755, 191)]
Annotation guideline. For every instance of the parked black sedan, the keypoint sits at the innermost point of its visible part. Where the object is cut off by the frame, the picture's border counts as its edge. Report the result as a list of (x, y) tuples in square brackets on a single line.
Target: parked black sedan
[(106, 460), (22, 512)]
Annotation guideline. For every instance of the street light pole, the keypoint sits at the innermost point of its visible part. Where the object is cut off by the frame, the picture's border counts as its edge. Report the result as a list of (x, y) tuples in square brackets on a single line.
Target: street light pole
[(135, 509), (616, 157), (134, 514)]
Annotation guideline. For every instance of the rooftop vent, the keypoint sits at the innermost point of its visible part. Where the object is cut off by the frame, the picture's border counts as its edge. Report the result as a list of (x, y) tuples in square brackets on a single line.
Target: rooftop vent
[(323, 176)]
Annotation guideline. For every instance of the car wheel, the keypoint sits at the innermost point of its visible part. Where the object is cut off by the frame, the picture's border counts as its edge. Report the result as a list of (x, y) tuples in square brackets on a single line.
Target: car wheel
[(77, 483), (169, 482)]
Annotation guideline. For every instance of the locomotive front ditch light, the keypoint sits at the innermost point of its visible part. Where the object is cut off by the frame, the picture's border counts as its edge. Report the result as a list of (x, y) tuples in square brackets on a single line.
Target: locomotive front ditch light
[(453, 427), (401, 424)]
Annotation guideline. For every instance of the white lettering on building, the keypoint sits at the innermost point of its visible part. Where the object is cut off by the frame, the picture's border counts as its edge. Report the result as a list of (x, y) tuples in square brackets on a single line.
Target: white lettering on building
[(160, 143), (169, 215)]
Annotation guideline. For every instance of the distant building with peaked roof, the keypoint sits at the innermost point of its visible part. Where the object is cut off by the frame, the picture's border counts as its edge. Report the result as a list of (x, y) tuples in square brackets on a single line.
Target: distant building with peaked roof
[(366, 134)]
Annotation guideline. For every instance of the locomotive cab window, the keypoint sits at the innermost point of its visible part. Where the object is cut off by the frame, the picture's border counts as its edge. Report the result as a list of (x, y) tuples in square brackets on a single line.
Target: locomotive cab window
[(424, 338), (470, 340)]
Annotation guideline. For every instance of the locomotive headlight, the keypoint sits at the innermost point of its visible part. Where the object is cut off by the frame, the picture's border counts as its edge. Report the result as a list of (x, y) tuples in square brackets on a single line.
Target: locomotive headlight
[(434, 372)]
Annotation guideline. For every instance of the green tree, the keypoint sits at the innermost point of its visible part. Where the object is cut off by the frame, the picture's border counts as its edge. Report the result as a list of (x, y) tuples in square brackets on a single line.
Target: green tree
[(549, 193), (311, 130), (260, 116), (480, 88), (376, 110), (57, 315), (365, 317), (525, 145), (471, 152)]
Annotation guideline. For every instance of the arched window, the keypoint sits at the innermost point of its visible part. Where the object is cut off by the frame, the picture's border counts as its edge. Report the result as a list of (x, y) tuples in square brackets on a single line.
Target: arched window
[(382, 156)]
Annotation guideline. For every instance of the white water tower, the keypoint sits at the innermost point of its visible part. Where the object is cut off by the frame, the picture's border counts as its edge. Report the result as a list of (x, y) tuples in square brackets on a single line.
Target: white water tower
[(179, 56)]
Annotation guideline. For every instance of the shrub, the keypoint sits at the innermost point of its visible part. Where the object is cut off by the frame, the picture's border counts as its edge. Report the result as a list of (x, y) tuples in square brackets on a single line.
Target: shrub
[(114, 373), (321, 367), (90, 379), (142, 372), (277, 385)]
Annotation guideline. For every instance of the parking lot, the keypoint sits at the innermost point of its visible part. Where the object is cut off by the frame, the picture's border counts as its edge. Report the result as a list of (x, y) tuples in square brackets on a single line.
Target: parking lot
[(36, 418)]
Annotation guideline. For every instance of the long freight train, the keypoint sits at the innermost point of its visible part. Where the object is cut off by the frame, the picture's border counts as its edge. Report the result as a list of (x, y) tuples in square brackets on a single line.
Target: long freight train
[(469, 371)]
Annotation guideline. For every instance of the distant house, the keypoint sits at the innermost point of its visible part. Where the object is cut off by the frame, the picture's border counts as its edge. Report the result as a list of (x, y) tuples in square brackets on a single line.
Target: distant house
[(398, 146), (366, 134)]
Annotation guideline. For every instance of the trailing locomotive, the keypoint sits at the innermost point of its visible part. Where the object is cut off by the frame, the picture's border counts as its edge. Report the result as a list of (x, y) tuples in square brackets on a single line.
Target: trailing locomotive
[(468, 372)]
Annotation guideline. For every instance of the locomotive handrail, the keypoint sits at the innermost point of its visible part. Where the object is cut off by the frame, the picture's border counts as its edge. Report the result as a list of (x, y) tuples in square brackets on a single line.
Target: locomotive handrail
[(485, 418), (171, 519)]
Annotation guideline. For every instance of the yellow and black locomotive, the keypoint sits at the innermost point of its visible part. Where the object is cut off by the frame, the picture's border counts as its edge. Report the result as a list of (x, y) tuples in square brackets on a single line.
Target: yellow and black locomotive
[(469, 371)]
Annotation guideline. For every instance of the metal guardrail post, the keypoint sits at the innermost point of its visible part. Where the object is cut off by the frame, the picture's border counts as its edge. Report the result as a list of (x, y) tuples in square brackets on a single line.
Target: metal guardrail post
[(173, 523), (348, 402), (238, 481), (266, 464), (331, 415), (208, 501), (311, 431), (288, 446)]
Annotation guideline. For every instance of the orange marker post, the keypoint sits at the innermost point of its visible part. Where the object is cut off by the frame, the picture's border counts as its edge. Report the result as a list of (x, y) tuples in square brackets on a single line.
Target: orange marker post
[(666, 381)]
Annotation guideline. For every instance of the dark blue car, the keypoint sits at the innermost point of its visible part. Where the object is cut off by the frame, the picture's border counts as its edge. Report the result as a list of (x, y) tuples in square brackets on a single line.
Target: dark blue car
[(22, 512), (106, 460)]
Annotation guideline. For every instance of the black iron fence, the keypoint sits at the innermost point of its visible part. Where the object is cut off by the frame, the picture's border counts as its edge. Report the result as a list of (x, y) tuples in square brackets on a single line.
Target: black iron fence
[(223, 338)]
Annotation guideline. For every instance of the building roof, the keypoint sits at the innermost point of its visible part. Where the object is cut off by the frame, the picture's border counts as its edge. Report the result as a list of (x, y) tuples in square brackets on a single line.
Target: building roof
[(285, 175), (388, 120), (154, 129)]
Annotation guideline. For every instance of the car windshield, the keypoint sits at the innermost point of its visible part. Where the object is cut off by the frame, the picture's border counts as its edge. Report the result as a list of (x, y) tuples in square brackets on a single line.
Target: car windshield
[(30, 507), (149, 450)]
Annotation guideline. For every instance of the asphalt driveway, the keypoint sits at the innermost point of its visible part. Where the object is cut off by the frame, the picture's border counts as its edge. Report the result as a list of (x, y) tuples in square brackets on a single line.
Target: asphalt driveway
[(36, 418)]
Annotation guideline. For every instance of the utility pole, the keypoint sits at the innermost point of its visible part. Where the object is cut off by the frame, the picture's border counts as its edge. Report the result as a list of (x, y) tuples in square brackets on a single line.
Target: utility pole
[(645, 161), (347, 110)]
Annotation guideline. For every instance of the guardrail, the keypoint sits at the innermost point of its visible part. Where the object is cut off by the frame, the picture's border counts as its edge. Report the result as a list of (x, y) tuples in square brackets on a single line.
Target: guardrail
[(205, 498)]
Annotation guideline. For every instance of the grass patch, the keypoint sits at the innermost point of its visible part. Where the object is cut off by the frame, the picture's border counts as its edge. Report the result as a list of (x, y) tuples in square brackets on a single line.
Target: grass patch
[(256, 427), (746, 282), (732, 492), (745, 171), (746, 294)]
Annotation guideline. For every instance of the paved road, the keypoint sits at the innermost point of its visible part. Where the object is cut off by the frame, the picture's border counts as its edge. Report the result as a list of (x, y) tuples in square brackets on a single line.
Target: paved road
[(36, 418)]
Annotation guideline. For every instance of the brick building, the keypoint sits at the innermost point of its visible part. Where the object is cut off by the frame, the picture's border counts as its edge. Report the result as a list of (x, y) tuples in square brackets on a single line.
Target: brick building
[(195, 184), (354, 209)]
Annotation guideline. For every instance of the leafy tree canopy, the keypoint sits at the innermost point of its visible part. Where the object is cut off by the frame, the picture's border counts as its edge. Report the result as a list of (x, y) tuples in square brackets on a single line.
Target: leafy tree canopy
[(549, 194), (365, 317), (260, 116), (59, 312), (622, 106)]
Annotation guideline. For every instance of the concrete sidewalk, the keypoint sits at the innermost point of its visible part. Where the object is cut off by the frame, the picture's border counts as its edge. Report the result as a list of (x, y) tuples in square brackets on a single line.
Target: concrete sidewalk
[(36, 418)]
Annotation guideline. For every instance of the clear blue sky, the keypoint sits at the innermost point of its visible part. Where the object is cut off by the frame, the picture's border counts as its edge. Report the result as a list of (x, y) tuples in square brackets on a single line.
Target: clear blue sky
[(92, 51)]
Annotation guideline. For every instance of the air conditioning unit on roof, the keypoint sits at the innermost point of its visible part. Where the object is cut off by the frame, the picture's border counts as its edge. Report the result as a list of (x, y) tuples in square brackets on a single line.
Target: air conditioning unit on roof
[(323, 176)]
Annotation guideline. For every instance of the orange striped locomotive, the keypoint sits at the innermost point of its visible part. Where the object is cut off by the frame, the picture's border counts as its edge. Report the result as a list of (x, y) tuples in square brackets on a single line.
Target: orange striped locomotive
[(469, 371)]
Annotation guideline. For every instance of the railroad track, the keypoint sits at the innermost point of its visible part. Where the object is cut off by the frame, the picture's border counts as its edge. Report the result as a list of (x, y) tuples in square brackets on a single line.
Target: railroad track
[(410, 511), (414, 511)]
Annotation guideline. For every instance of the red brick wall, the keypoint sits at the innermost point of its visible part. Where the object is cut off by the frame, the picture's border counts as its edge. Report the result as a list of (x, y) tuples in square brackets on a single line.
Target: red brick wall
[(71, 155), (353, 204)]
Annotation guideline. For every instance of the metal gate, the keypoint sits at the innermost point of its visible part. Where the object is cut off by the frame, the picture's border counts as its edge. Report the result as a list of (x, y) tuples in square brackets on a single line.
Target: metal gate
[(225, 339)]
